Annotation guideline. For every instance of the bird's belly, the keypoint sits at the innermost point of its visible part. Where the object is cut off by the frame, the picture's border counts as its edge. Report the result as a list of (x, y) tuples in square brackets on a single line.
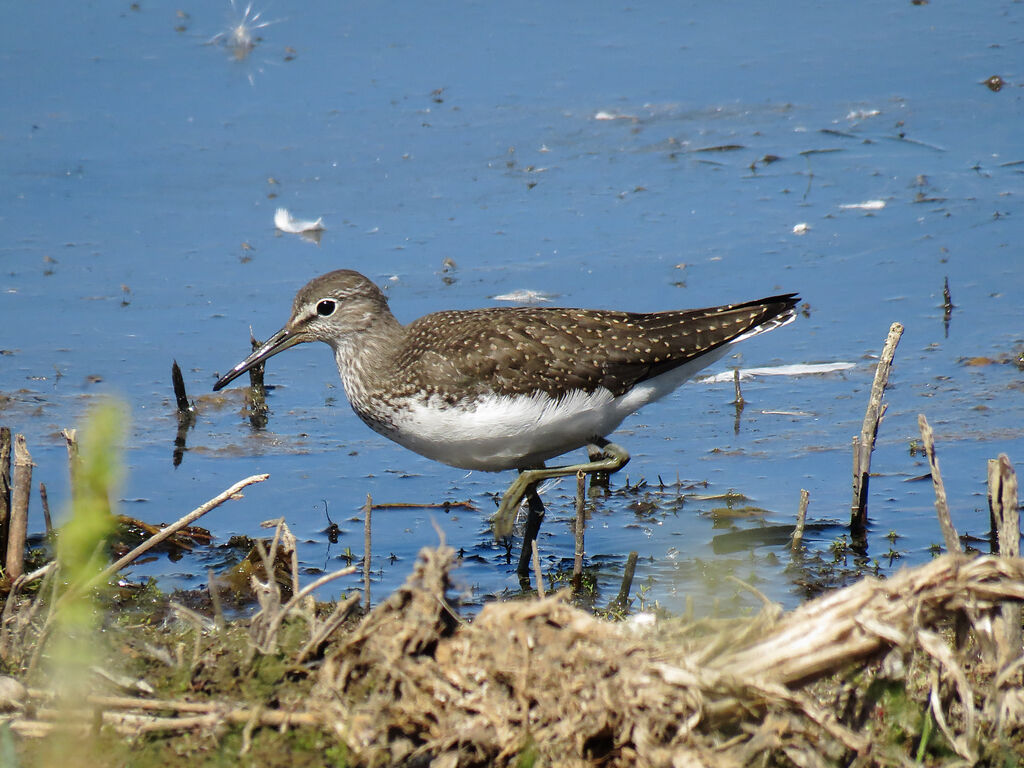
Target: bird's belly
[(494, 432)]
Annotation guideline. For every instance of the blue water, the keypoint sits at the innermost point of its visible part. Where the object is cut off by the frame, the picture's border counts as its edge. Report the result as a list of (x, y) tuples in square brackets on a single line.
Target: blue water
[(141, 163)]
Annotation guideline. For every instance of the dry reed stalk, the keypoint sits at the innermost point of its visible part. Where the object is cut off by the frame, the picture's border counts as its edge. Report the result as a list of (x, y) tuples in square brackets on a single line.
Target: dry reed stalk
[(366, 552), (865, 443), (537, 575), (231, 493), (578, 530), (949, 534), (833, 631), (1003, 498), (71, 440), (801, 521), (5, 489), (17, 530)]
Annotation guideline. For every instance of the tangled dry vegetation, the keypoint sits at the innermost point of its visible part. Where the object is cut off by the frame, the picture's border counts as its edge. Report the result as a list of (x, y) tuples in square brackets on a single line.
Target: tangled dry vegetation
[(540, 677), (539, 682)]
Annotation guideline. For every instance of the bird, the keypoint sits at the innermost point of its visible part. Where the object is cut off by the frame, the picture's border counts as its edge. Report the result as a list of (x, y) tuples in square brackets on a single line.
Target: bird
[(509, 388)]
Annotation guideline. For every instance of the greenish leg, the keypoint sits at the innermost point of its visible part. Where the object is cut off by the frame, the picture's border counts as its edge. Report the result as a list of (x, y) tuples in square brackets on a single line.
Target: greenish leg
[(614, 458)]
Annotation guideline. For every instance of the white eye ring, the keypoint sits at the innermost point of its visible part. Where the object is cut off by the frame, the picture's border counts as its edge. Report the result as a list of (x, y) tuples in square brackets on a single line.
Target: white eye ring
[(326, 307)]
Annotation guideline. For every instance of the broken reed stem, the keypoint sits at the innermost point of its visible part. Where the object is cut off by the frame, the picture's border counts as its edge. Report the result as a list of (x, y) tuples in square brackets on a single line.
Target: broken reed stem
[(577, 564), (622, 599), (5, 489), (801, 520), (1003, 504), (18, 524), (941, 505), (865, 443), (45, 499), (178, 384), (366, 553), (535, 556), (71, 439)]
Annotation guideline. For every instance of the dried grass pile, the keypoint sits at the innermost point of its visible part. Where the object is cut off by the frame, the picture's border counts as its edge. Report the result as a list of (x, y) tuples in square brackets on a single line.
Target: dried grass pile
[(414, 685)]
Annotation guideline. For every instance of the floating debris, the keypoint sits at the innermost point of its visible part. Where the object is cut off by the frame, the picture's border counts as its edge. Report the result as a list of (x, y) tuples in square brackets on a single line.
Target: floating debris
[(802, 228), (285, 222), (994, 83), (867, 205)]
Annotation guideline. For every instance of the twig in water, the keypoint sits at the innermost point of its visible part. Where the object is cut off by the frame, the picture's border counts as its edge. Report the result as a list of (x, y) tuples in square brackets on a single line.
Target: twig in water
[(801, 519), (577, 564), (178, 384), (947, 306), (467, 505), (45, 499), (536, 569), (186, 413), (366, 553), (71, 440), (865, 444), (170, 530), (622, 599), (941, 505)]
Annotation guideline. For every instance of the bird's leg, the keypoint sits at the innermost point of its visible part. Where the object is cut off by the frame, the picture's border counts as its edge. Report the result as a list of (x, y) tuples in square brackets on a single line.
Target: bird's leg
[(614, 457), (533, 520)]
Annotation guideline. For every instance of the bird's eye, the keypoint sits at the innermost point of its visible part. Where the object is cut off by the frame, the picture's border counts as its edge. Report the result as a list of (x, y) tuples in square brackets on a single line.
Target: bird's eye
[(326, 307)]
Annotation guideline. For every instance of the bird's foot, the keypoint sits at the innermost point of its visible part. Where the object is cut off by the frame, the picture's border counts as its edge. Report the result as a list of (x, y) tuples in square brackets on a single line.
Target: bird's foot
[(613, 458)]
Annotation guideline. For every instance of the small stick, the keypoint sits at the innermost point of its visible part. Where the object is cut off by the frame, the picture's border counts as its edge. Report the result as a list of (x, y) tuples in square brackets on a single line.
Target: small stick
[(627, 581), (869, 431), (178, 383), (467, 505), (577, 563), (947, 299), (16, 533), (536, 569), (167, 532), (941, 505), (366, 553), (801, 518), (5, 489), (45, 499)]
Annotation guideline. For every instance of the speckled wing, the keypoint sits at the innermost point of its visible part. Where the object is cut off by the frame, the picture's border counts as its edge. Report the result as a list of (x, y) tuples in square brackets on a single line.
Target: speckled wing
[(516, 351)]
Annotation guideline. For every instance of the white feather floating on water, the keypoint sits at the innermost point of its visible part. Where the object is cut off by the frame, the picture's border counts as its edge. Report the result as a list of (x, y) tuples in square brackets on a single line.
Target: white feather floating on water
[(523, 296), (284, 221)]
